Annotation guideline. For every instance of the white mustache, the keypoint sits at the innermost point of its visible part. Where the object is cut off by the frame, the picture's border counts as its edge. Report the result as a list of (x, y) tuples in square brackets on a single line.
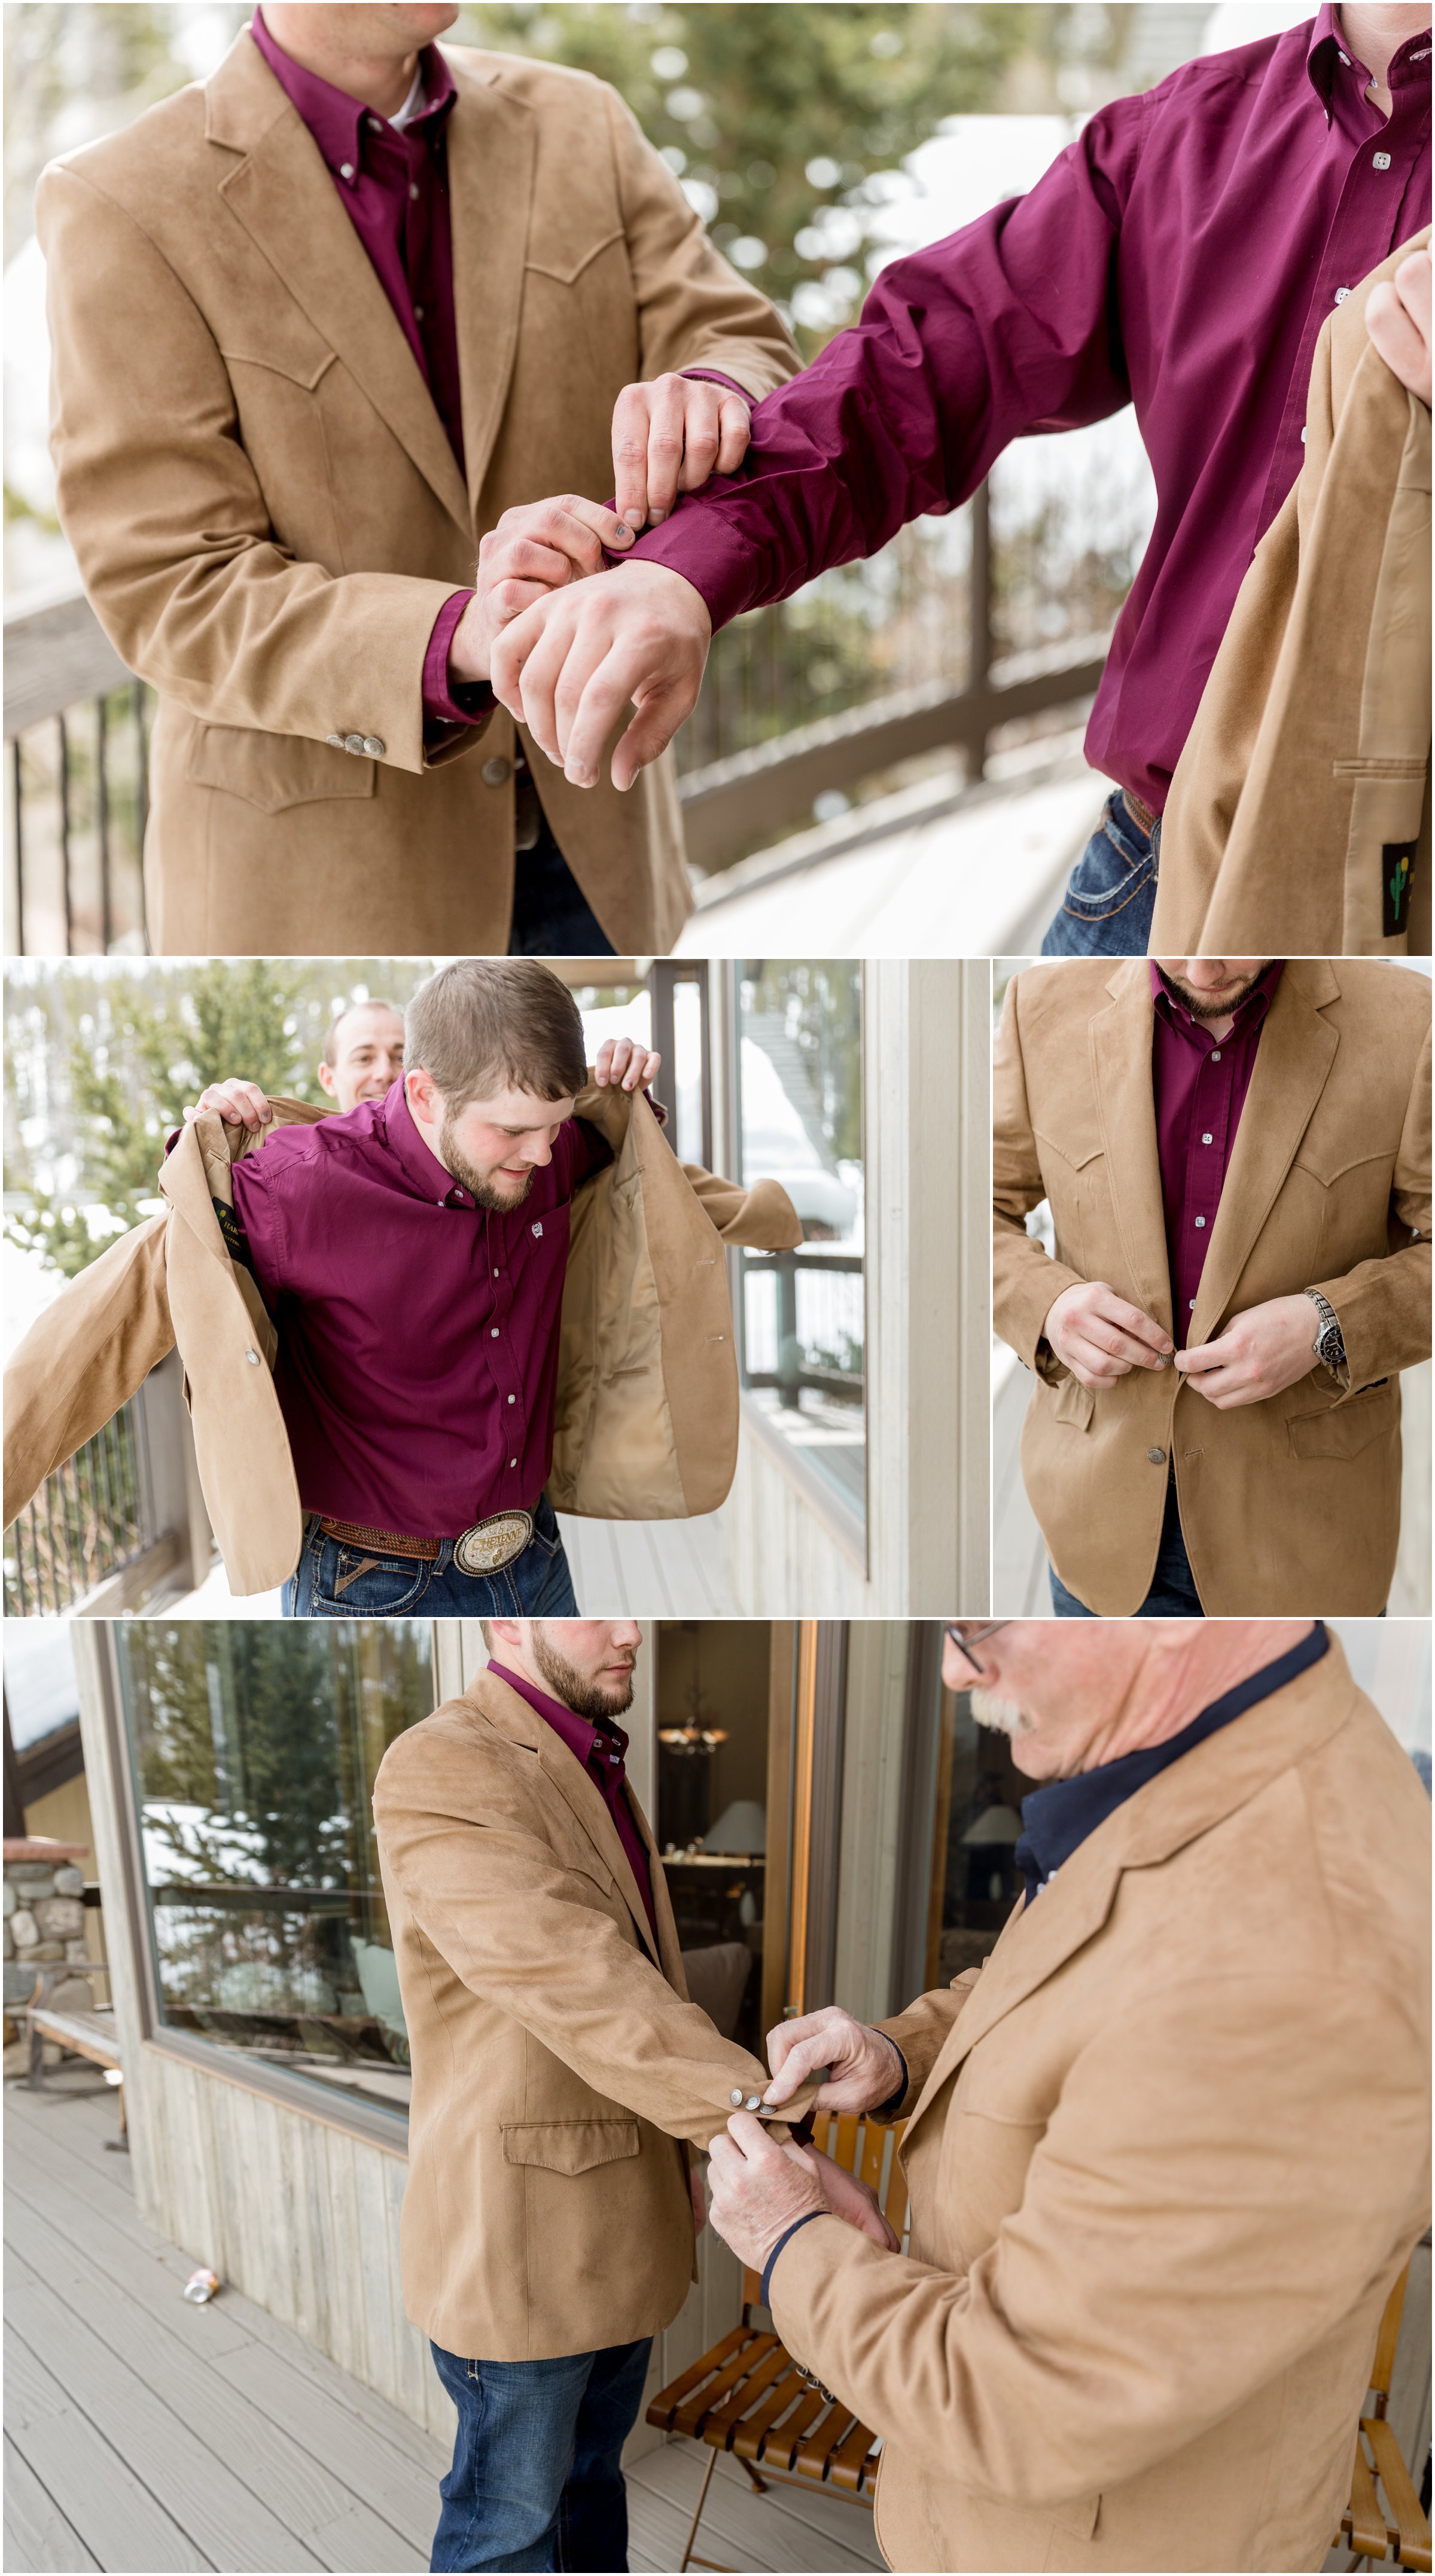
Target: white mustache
[(1003, 1716)]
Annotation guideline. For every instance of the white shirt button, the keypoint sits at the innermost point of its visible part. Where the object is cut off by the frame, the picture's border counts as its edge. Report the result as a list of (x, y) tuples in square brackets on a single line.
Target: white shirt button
[(513, 1399), (413, 192), (346, 169), (1200, 1227), (1345, 58), (1190, 1305), (1380, 160), (493, 1333), (376, 125), (419, 312), (1215, 1055), (1206, 1140), (1341, 293), (513, 1462), (495, 1274)]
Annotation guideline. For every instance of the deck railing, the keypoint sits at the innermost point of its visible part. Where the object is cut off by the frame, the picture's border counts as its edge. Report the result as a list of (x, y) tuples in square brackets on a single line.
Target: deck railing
[(811, 1334), (91, 1519), (867, 667)]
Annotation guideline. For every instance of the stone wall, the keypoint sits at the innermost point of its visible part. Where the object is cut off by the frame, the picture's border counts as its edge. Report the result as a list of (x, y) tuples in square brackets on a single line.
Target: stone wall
[(44, 1924)]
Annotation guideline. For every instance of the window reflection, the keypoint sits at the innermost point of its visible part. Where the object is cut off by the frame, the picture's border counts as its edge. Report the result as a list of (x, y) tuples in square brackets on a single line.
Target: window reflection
[(975, 1880), (802, 1313), (255, 1746)]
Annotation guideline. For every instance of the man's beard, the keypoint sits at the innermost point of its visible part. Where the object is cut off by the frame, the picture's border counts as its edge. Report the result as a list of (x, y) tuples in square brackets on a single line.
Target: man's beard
[(482, 1191), (585, 1698), (1211, 1006), (1003, 1716)]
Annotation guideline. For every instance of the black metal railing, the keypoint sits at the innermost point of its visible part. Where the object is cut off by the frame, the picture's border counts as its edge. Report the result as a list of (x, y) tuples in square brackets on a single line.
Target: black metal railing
[(90, 1519), (808, 1332)]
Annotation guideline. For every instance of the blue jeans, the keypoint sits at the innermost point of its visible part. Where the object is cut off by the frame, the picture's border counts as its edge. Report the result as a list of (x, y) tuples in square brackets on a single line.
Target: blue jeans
[(1173, 1593), (536, 2480), (537, 1585), (1111, 893), (552, 916)]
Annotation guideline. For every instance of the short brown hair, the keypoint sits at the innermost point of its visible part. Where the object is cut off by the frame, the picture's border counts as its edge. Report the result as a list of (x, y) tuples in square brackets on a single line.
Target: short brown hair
[(331, 1034), (485, 1021)]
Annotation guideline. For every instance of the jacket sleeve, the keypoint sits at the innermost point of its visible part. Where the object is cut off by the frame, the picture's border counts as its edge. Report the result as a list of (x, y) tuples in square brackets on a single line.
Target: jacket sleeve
[(693, 309), (1159, 2269), (759, 1214), (1025, 1280), (83, 1358), (164, 509), (922, 2031), (1384, 1306), (524, 1932)]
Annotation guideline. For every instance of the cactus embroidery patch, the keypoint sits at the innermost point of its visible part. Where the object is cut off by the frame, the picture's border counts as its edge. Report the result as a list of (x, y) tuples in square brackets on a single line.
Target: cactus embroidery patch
[(1398, 859)]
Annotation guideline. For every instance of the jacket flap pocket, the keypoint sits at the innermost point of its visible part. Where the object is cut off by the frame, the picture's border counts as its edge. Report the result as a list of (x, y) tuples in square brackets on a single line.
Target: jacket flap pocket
[(1078, 2518), (569, 2146), (1343, 1430), (1076, 1404), (1076, 1149), (566, 272), (274, 770)]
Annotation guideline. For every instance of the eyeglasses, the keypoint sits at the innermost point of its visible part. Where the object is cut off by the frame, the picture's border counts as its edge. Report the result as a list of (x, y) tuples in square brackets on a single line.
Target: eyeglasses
[(964, 1638)]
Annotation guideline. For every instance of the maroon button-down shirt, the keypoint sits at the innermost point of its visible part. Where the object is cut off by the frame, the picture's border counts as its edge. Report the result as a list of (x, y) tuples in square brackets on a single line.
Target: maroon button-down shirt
[(602, 1750), (1180, 255), (1199, 1083), (418, 1332)]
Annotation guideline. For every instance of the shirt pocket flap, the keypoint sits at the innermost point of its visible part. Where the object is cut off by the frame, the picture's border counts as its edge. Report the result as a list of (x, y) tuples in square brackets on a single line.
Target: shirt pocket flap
[(1343, 1430), (569, 2146), (275, 770)]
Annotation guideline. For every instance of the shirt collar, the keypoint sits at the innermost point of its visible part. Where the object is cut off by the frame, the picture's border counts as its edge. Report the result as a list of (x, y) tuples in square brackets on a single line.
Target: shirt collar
[(1329, 57), (428, 1174), (1057, 1819), (1249, 1012), (602, 1749), (337, 122)]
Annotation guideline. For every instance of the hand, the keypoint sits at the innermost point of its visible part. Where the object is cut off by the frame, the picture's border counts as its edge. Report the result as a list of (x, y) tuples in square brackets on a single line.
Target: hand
[(533, 551), (758, 2187), (239, 1104), (629, 1067), (700, 2205), (1100, 1337), (1397, 317), (1268, 1348), (865, 2065), (571, 666), (668, 437), (854, 2201)]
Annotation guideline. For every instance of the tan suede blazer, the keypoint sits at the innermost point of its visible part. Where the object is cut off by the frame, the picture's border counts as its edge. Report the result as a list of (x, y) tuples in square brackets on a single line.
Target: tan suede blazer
[(1299, 815), (1167, 2152), (1292, 1505), (268, 515), (646, 1409), (556, 2057)]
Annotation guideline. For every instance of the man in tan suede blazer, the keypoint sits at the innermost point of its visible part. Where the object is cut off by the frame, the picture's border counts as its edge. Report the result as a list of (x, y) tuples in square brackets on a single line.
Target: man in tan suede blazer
[(1191, 1449), (276, 467), (562, 2083), (1299, 814), (1167, 2150)]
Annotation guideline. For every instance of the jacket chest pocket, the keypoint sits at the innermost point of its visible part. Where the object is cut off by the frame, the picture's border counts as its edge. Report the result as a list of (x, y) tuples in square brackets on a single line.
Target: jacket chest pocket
[(1079, 1198), (569, 2146), (1347, 1190)]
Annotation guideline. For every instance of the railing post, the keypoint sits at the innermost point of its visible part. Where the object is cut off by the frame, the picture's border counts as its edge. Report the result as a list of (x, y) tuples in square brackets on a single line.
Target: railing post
[(64, 737), (789, 1348), (18, 791), (102, 816), (979, 647)]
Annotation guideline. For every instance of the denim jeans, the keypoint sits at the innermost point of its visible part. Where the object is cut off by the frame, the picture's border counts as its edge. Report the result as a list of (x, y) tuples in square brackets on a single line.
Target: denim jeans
[(1111, 893), (536, 2480), (536, 1585), (1173, 1593), (552, 916)]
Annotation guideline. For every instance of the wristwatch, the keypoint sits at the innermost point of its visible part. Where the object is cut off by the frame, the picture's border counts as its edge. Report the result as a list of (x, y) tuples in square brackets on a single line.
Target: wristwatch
[(1329, 1341)]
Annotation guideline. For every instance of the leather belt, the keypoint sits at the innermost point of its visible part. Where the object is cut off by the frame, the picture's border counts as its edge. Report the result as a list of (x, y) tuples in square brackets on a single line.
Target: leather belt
[(1140, 814), (485, 1549)]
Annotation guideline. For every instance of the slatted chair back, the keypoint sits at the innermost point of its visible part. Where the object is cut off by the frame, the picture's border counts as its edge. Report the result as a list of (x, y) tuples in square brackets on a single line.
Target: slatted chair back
[(1399, 2526)]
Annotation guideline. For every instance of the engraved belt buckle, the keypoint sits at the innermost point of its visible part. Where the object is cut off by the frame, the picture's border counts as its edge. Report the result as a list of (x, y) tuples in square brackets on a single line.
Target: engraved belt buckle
[(494, 1543)]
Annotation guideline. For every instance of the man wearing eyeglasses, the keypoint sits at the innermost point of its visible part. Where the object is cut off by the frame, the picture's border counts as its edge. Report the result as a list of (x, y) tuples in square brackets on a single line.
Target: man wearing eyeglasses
[(1236, 1155), (1167, 2149)]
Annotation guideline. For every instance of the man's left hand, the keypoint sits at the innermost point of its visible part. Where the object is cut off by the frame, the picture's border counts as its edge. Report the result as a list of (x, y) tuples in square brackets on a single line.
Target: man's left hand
[(668, 437), (629, 1067), (759, 2187), (1262, 1352), (1397, 316)]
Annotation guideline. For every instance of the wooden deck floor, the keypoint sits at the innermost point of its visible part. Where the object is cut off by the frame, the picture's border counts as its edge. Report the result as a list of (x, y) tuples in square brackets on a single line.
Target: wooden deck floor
[(143, 2434)]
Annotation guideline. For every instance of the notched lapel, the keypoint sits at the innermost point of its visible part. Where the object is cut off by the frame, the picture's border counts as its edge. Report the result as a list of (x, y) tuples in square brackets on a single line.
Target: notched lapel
[(573, 1785), (492, 152), (1293, 1061), (1120, 1046)]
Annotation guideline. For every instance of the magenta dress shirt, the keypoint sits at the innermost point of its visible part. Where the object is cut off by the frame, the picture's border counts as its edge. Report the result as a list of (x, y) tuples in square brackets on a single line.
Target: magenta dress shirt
[(602, 1750), (418, 1332), (1180, 255), (1199, 1083)]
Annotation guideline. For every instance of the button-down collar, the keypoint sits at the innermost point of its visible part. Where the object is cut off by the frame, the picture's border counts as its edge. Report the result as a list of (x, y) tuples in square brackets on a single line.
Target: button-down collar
[(1249, 1011), (1336, 74), (344, 128)]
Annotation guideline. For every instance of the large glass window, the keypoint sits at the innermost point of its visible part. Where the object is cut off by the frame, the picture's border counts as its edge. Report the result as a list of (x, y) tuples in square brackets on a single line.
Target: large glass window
[(712, 1821), (802, 1322), (255, 1745)]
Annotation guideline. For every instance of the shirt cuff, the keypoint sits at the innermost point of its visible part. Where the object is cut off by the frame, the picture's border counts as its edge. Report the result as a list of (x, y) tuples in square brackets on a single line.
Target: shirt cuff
[(463, 702), (889, 2109), (785, 2239)]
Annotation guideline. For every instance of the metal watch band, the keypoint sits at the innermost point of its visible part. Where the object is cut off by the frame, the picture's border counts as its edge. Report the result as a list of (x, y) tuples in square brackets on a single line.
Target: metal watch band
[(1329, 1342)]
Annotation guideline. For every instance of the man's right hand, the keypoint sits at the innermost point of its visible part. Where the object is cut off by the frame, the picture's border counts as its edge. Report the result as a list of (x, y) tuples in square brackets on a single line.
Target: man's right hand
[(570, 667), (240, 1104), (535, 550), (1101, 1337), (865, 2067)]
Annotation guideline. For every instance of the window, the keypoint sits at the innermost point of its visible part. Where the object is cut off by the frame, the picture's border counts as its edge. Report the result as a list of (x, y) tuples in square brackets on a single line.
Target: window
[(254, 1746), (977, 1818), (801, 1315)]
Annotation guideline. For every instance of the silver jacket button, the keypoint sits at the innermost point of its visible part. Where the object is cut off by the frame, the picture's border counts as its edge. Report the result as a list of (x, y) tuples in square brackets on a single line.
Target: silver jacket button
[(353, 742), (335, 741), (496, 773), (253, 1358), (375, 746), (1157, 1457)]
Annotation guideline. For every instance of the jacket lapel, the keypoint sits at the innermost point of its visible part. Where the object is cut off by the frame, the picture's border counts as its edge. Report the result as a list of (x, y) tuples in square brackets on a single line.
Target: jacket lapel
[(1120, 1047), (566, 1775), (1293, 1060), (282, 194), (492, 149)]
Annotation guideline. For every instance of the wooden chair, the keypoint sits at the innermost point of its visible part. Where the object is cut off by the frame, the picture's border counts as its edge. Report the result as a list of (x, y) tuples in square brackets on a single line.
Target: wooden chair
[(1367, 2526), (89, 2034), (747, 2395)]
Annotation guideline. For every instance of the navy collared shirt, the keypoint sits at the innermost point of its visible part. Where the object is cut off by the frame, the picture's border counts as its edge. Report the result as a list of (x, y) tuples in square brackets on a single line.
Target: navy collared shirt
[(1057, 1819)]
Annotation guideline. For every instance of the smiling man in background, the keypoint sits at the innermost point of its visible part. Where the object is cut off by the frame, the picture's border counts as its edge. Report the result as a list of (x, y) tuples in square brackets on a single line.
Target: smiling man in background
[(1167, 2149)]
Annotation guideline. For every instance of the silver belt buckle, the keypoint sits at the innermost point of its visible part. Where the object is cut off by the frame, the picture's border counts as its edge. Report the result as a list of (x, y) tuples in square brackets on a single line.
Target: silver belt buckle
[(494, 1543)]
